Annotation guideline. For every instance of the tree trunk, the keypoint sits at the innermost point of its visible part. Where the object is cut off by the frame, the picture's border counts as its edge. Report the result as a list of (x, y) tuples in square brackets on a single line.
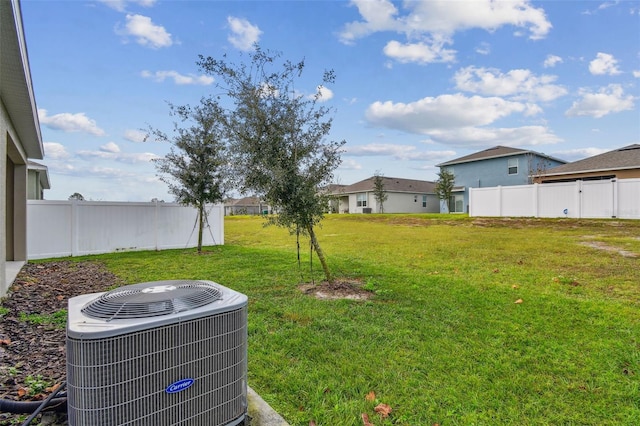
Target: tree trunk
[(318, 249), (200, 226)]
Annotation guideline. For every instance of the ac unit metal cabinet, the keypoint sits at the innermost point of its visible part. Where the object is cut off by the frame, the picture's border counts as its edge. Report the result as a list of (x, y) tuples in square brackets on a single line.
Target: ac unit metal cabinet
[(158, 353)]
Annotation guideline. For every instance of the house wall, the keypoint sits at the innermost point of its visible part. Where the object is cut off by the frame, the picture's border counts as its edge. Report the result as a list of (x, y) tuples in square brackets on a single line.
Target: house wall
[(13, 172), (495, 172), (397, 202)]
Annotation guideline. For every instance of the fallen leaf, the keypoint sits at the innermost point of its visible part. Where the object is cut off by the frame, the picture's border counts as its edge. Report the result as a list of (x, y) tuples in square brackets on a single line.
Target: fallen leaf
[(22, 392), (5, 342), (53, 388), (60, 297), (495, 271), (383, 409), (365, 420), (371, 396), (515, 286), (518, 301)]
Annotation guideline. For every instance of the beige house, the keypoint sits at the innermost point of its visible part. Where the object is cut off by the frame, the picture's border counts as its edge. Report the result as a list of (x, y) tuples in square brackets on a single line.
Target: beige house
[(37, 180), (622, 163), (246, 205), (20, 140), (403, 196)]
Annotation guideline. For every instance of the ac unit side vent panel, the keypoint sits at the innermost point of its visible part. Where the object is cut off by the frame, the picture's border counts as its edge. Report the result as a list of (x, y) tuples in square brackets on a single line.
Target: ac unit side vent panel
[(146, 300)]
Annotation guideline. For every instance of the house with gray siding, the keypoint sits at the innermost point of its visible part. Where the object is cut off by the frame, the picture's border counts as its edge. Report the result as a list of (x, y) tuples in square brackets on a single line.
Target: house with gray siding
[(497, 166), (403, 196)]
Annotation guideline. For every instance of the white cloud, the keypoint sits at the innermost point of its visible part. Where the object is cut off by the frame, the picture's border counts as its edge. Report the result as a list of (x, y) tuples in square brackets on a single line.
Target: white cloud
[(323, 93), (243, 33), (476, 136), (433, 21), (398, 152), (636, 74), (518, 84), (121, 5), (419, 52), (110, 147), (55, 151), (484, 48), (551, 61), (105, 154), (579, 153), (442, 112), (133, 135), (69, 122), (350, 164), (145, 32), (180, 79), (607, 100), (604, 64)]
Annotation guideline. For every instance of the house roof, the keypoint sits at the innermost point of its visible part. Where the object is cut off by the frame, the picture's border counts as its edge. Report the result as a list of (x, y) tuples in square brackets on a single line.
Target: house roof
[(16, 88), (627, 157), (495, 152), (244, 202), (391, 184)]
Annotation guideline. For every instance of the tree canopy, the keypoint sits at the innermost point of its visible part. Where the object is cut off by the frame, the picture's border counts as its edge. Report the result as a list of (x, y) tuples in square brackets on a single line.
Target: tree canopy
[(378, 190), (277, 139), (444, 186), (196, 168)]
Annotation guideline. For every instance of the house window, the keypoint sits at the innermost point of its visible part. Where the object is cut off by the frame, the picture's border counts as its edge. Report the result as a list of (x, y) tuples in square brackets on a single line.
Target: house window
[(456, 204), (513, 166), (361, 199), (424, 201)]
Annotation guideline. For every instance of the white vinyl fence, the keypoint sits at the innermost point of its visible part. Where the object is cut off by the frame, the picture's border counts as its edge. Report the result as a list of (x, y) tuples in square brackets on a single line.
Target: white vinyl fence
[(619, 198), (75, 228)]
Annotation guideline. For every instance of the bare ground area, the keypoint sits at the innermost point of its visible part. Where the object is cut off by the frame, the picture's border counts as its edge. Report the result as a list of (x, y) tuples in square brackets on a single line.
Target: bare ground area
[(32, 333)]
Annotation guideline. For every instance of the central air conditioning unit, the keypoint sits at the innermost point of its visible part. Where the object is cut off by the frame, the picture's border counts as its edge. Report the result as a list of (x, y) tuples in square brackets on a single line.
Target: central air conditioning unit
[(158, 353)]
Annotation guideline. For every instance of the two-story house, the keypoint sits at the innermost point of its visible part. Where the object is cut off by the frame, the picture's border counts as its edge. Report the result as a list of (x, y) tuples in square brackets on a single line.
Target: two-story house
[(497, 166)]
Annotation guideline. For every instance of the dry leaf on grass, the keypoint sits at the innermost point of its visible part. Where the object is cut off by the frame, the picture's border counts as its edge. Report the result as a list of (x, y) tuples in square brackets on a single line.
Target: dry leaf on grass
[(383, 409), (365, 420), (371, 396), (518, 301)]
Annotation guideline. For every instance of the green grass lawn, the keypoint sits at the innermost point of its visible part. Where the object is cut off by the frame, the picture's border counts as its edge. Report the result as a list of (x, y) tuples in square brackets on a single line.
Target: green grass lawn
[(443, 340)]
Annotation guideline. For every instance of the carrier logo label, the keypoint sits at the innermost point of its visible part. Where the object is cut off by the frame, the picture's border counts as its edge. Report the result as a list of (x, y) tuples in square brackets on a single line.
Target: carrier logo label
[(179, 386)]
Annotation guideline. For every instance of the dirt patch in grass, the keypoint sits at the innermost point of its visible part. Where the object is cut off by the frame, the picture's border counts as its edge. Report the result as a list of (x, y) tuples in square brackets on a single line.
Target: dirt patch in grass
[(602, 246), (339, 289)]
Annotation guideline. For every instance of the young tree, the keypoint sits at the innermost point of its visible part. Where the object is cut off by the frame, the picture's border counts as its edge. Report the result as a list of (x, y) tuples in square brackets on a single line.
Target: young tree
[(196, 167), (444, 186), (378, 190), (277, 139), (76, 196)]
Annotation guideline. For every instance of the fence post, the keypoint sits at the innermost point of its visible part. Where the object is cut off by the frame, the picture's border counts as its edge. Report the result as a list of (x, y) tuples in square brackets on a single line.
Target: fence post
[(74, 227), (614, 212), (536, 198), (155, 225)]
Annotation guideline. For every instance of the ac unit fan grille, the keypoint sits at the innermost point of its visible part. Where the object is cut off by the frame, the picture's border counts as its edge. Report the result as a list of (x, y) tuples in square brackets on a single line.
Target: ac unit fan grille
[(152, 299)]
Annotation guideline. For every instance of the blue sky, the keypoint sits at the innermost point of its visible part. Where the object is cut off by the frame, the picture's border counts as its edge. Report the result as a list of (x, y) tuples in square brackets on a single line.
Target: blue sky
[(418, 82)]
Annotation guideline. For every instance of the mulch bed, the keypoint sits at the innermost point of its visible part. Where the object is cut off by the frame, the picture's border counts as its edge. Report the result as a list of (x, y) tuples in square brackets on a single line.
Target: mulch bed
[(29, 350)]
